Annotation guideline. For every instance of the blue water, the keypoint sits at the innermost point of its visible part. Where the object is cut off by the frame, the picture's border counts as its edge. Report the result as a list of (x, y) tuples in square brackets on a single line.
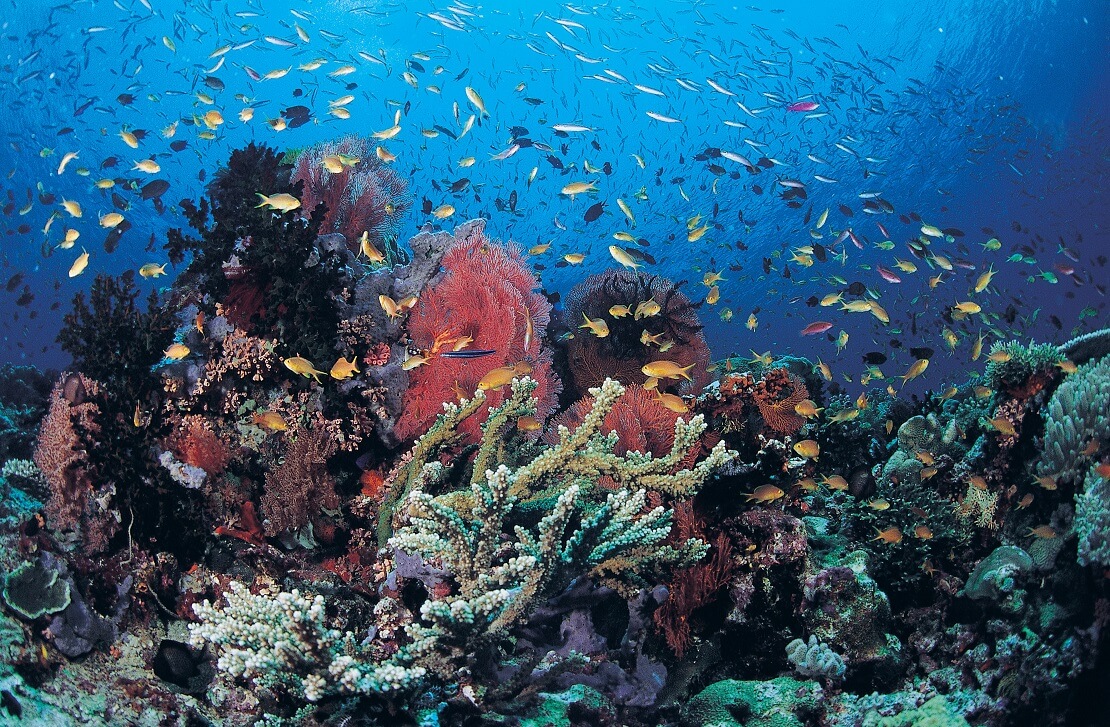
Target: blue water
[(966, 114)]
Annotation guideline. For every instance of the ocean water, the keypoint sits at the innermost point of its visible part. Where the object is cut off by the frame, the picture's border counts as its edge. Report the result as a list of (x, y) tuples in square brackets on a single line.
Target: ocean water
[(869, 512), (969, 116)]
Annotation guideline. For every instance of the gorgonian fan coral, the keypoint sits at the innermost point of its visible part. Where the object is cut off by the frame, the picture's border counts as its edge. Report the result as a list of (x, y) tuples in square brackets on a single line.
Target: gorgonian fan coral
[(776, 395), (366, 196), (485, 300), (633, 340)]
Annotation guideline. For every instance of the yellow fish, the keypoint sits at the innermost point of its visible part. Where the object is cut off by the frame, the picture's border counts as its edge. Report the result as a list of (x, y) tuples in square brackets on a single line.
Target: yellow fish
[(578, 188), (413, 361), (284, 202), (714, 295), (476, 100), (619, 311), (667, 370), (647, 339), (153, 270), (752, 323), (269, 420), (79, 264), (672, 402), (344, 369), (443, 211), (147, 165), (539, 249), (303, 367), (497, 378), (647, 309), (332, 163), (597, 326), (574, 258), (177, 351), (111, 220), (808, 408), (808, 448), (622, 256), (916, 369), (984, 280), (968, 307), (73, 208)]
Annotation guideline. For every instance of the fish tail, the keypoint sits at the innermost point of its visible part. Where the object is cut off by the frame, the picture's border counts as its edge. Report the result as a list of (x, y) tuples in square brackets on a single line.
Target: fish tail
[(265, 200), (686, 371)]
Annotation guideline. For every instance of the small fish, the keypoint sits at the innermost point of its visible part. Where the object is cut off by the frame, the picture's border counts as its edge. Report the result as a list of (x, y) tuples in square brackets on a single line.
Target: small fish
[(177, 351), (574, 258), (469, 353), (1004, 426), (764, 493), (647, 309), (1043, 532), (344, 369), (817, 327), (923, 532), (153, 270), (597, 326), (890, 536), (283, 202), (916, 369), (303, 367), (672, 402), (79, 264), (499, 377), (808, 408), (443, 211), (667, 370), (835, 482), (808, 448), (111, 220), (621, 256), (619, 311)]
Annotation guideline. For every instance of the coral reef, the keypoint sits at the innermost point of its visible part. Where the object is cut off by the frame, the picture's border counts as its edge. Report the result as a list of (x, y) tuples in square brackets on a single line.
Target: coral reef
[(815, 660)]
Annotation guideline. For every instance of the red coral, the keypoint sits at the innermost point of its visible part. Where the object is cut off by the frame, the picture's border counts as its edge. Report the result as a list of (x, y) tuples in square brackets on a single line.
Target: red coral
[(365, 197), (196, 444), (642, 424), (301, 485), (776, 396), (487, 293), (58, 452), (623, 353), (693, 587)]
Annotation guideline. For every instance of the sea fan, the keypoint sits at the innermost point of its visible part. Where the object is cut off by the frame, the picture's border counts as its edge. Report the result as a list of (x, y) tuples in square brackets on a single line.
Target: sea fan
[(776, 396), (487, 294), (622, 353), (366, 196)]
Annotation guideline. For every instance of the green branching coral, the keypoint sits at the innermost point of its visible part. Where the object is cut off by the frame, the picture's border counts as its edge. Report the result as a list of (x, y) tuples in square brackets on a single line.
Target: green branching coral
[(1013, 365)]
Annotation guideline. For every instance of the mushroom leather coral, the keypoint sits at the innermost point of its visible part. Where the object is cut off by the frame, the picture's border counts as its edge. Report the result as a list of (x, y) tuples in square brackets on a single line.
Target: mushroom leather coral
[(487, 293)]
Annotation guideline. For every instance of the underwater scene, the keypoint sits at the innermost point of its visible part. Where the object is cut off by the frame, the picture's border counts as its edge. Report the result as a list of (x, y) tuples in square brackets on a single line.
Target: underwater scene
[(458, 363)]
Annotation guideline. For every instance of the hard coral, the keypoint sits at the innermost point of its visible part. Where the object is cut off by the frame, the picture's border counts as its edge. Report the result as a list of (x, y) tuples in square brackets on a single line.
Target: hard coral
[(487, 295), (622, 353), (366, 196), (776, 395)]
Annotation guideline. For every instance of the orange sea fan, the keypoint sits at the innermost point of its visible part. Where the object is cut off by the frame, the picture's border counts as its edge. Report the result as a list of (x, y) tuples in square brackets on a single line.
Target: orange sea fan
[(776, 396)]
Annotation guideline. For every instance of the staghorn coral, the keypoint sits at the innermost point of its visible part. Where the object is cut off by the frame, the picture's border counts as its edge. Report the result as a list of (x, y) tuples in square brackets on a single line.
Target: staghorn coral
[(583, 455), (776, 395), (301, 485), (641, 423), (622, 354), (367, 196), (487, 295)]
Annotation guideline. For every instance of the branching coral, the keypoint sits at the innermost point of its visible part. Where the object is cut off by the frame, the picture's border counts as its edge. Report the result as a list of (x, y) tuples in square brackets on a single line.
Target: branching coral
[(623, 353), (485, 300), (366, 196), (640, 421), (1077, 421)]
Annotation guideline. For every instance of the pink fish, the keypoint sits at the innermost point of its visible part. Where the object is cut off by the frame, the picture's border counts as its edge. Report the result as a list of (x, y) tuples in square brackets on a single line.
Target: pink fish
[(802, 106), (818, 327), (855, 240), (883, 230), (888, 275)]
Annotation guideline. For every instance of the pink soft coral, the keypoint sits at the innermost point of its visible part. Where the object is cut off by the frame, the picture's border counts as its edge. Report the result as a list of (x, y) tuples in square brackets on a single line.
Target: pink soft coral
[(487, 293)]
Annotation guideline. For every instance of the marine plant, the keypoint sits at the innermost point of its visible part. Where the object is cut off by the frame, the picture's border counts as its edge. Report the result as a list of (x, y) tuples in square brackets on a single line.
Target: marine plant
[(510, 537), (626, 349)]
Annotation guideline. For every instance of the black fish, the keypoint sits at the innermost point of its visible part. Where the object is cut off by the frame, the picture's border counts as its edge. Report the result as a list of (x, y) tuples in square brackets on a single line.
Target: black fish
[(14, 282), (65, 130), (120, 203), (857, 288), (26, 297), (845, 210), (874, 357), (767, 265), (296, 116), (469, 353), (512, 200), (460, 184), (594, 212), (757, 189), (812, 301), (415, 66), (109, 162), (111, 242), (819, 253), (179, 145), (922, 352), (554, 161), (426, 206), (214, 83), (445, 131), (155, 189), (125, 99), (518, 131)]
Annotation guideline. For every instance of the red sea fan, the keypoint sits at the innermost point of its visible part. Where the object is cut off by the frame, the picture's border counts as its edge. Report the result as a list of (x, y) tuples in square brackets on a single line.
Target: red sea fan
[(365, 197), (622, 353), (58, 452), (776, 396), (487, 293), (642, 424), (196, 444)]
